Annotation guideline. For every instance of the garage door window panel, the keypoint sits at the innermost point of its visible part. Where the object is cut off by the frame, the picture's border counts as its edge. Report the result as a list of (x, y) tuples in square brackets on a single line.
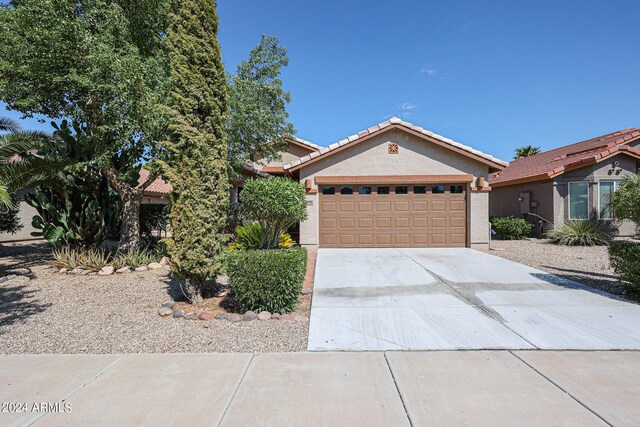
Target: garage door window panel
[(420, 189), (382, 190), (437, 189), (364, 190), (328, 191)]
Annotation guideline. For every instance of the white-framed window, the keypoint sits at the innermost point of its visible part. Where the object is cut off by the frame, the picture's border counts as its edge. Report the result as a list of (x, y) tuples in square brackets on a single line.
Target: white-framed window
[(579, 200), (605, 190)]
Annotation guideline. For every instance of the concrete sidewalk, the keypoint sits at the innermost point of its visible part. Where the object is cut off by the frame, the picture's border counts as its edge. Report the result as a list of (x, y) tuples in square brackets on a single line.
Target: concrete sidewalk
[(354, 389)]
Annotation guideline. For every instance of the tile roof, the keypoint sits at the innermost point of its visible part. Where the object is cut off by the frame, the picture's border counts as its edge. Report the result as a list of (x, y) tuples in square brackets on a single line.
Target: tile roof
[(307, 143), (158, 187), (397, 122), (555, 162)]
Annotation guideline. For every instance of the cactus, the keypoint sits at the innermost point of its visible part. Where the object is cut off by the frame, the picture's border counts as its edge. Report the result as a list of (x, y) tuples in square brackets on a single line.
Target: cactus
[(80, 210)]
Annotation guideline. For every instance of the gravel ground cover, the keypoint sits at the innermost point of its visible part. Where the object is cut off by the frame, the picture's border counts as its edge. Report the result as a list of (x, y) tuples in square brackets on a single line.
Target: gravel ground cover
[(42, 311), (588, 265)]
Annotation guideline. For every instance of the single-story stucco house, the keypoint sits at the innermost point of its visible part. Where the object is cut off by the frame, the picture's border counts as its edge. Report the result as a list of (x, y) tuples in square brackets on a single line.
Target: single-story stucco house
[(569, 183), (392, 185)]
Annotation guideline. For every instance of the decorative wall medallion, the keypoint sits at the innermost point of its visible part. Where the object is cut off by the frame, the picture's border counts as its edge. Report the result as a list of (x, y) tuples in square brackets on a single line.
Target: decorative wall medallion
[(393, 148)]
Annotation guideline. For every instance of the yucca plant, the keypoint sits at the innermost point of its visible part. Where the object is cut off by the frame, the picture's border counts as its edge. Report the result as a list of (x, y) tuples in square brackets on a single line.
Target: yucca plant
[(579, 233)]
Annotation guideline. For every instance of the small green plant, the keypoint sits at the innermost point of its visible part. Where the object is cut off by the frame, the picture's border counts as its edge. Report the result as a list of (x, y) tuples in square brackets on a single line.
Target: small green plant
[(249, 236), (579, 233), (511, 228), (625, 261), (267, 279), (138, 257)]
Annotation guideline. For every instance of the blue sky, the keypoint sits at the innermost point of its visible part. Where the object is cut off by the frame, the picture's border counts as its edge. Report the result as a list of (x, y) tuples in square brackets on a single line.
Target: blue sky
[(493, 75)]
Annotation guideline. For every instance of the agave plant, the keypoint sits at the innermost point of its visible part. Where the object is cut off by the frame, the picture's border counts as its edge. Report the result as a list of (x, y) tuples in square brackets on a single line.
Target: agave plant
[(251, 236)]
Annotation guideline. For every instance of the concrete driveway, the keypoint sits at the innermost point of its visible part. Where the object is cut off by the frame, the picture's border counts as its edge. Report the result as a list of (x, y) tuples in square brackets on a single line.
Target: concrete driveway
[(443, 299)]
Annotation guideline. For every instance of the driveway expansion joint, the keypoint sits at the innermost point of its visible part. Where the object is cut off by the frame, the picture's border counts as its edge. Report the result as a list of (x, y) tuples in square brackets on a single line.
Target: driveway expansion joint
[(395, 383), (235, 391), (473, 302)]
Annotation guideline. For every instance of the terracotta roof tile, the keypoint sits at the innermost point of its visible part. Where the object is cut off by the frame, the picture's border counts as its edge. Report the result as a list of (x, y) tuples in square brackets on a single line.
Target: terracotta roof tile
[(396, 121), (556, 161), (157, 187), (305, 142)]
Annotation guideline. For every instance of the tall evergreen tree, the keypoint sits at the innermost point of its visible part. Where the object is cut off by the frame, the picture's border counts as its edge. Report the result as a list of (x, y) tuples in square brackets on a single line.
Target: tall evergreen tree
[(197, 159)]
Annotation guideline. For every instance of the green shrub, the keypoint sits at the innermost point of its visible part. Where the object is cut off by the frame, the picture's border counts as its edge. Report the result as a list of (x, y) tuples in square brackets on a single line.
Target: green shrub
[(625, 201), (276, 204), (511, 228), (267, 279), (625, 261), (249, 236), (9, 221), (579, 233), (134, 258)]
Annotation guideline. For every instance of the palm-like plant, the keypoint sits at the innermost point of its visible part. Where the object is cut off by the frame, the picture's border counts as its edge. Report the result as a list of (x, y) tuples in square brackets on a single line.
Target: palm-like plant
[(526, 151), (19, 166)]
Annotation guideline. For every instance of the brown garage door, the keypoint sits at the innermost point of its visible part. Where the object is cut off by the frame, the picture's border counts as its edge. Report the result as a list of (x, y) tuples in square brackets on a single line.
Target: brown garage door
[(383, 215)]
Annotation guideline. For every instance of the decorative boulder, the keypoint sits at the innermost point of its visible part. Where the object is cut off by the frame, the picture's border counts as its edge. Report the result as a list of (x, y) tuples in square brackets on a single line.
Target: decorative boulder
[(154, 266), (123, 270), (178, 313), (234, 318), (164, 260), (249, 316), (142, 268), (106, 271), (165, 311), (206, 316), (264, 315)]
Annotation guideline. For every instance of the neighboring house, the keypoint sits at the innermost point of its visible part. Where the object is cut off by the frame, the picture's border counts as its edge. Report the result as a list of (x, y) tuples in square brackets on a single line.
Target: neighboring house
[(296, 148), (395, 185), (569, 183)]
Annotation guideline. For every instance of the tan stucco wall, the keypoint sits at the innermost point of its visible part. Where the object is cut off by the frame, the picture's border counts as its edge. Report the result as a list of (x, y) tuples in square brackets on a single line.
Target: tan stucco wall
[(594, 174), (503, 201), (415, 157)]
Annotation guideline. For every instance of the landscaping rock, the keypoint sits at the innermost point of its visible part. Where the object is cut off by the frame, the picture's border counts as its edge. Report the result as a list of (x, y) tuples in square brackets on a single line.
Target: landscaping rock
[(234, 318), (191, 316), (85, 272), (164, 260), (178, 313), (222, 316), (206, 316), (307, 291), (287, 317), (106, 271), (165, 311), (249, 316), (123, 270), (301, 318), (154, 266), (76, 270), (275, 316), (264, 315), (142, 268), (168, 304), (62, 271)]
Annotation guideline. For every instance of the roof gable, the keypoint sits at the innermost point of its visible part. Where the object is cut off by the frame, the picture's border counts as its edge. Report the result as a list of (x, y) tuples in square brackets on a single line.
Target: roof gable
[(396, 123), (557, 161)]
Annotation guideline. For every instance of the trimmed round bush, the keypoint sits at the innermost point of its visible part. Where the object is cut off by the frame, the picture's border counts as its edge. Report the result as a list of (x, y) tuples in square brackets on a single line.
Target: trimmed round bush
[(511, 228), (268, 280), (276, 204), (625, 261)]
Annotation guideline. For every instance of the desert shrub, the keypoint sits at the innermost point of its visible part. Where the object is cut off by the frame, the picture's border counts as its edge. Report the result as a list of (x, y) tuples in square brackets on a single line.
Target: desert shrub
[(276, 204), (625, 202), (579, 233), (267, 279), (9, 221), (153, 217), (249, 236), (511, 228), (625, 261), (135, 257)]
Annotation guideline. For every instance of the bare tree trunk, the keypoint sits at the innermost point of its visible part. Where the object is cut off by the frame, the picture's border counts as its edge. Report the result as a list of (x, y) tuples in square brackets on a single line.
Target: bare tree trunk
[(130, 199)]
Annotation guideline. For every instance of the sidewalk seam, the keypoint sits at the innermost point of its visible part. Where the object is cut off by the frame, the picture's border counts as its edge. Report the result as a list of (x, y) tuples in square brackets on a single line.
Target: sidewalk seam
[(395, 383), (233, 396), (79, 388), (560, 388)]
